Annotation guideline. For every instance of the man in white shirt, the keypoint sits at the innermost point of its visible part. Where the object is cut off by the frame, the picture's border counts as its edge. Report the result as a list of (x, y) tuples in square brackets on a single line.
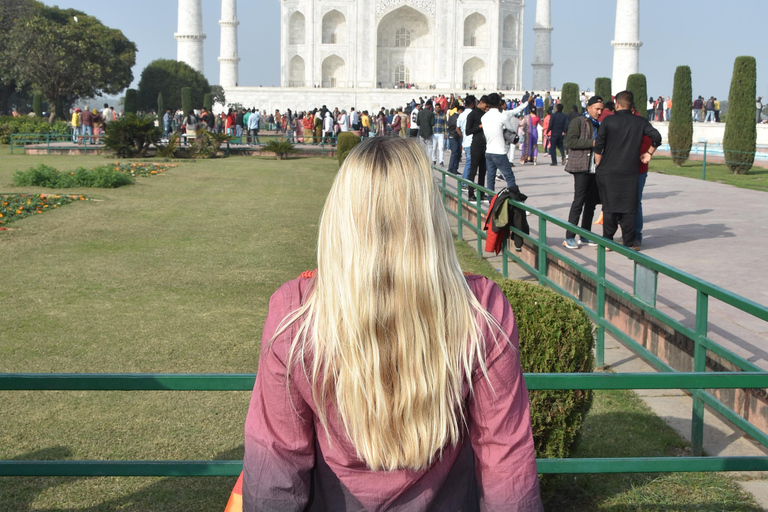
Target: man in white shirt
[(414, 120), (466, 140), (494, 123), (354, 119)]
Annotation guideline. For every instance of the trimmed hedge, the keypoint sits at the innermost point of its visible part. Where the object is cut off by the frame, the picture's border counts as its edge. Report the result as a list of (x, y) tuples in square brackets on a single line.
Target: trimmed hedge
[(681, 122), (555, 337), (603, 88), (637, 84), (45, 176), (739, 141), (208, 102), (160, 107), (37, 104), (347, 141), (130, 101), (570, 97), (10, 125), (186, 100)]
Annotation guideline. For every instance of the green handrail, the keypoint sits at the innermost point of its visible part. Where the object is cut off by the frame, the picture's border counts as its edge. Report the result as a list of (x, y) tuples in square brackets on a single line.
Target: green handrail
[(704, 290)]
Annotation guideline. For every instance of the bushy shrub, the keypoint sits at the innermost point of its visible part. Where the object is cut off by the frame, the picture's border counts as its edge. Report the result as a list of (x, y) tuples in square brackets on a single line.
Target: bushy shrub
[(638, 85), (570, 97), (347, 141), (681, 122), (740, 130), (555, 337), (603, 88), (132, 135), (281, 148), (101, 177), (11, 125)]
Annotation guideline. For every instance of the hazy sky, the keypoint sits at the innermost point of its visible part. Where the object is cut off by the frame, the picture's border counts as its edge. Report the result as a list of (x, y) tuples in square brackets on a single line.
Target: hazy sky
[(705, 34)]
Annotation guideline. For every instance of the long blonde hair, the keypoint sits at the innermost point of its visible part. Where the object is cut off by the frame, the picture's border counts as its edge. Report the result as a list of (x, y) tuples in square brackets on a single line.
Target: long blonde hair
[(391, 327)]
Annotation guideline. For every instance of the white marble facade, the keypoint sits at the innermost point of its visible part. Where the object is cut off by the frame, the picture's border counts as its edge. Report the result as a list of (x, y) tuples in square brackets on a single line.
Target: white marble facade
[(369, 44)]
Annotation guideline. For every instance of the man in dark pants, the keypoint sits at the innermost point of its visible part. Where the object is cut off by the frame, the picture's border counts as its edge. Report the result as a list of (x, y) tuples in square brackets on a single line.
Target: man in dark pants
[(558, 126), (454, 140), (617, 156), (477, 150), (582, 132)]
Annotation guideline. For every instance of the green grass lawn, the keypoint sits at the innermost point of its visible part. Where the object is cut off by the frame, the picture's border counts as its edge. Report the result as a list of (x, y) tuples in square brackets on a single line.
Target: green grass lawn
[(174, 274), (756, 179)]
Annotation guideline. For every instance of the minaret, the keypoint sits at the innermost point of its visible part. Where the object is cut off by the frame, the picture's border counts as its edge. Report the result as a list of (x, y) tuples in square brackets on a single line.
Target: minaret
[(228, 58), (542, 48), (190, 35), (626, 44)]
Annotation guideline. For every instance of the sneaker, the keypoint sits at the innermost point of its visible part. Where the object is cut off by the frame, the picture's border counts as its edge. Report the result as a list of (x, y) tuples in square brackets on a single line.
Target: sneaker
[(586, 241), (570, 243), (499, 178)]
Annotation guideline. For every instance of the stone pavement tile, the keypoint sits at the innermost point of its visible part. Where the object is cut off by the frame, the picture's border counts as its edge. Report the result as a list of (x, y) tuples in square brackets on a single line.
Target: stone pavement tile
[(758, 489)]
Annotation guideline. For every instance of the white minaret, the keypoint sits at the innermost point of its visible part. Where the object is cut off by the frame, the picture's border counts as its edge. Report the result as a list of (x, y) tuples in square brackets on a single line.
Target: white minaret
[(190, 35), (542, 48), (626, 44), (228, 59)]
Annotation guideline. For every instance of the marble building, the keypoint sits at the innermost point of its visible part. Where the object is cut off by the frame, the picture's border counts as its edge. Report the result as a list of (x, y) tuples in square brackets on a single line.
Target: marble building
[(387, 43)]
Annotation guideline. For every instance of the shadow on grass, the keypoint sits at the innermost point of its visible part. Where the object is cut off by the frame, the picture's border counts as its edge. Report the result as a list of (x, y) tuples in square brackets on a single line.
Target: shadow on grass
[(177, 494)]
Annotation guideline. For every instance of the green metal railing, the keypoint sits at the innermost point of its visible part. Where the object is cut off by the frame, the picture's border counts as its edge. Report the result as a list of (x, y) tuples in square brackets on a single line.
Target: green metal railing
[(646, 276), (22, 140), (237, 143), (244, 382)]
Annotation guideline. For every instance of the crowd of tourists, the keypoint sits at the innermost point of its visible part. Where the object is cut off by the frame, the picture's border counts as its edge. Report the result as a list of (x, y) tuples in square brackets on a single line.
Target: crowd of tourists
[(91, 124)]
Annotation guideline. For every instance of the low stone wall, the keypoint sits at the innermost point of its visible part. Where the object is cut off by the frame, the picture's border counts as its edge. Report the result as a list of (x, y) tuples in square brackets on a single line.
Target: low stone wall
[(669, 345), (711, 132)]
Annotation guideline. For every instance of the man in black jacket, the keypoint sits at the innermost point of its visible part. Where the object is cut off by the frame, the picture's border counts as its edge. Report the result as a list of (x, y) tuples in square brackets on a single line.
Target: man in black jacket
[(477, 150), (558, 127)]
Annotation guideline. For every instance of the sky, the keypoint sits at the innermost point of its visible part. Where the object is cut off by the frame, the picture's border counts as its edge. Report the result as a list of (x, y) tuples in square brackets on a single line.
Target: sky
[(581, 39)]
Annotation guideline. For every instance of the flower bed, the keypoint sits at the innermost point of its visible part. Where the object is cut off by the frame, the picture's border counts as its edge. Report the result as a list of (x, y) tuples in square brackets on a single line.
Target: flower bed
[(17, 206), (105, 176)]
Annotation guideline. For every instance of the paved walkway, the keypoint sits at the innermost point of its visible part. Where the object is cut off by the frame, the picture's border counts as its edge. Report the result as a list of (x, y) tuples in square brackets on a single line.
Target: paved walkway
[(713, 231)]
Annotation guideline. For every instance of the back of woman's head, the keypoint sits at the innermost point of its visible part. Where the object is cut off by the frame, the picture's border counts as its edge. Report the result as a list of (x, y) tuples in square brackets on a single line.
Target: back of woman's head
[(391, 329)]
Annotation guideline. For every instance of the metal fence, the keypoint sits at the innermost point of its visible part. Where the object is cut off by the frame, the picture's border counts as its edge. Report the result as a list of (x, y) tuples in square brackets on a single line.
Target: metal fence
[(643, 297), (244, 382)]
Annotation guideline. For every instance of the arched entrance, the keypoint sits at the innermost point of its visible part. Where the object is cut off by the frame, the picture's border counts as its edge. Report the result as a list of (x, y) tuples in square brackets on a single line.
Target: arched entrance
[(334, 72), (334, 28), (509, 75), (405, 49), (296, 76), (475, 73), (296, 28)]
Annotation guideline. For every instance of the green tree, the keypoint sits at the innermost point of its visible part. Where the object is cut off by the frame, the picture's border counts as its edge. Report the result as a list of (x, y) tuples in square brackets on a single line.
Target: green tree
[(186, 100), (570, 97), (11, 11), (130, 101), (160, 105), (603, 88), (217, 95), (739, 141), (208, 102), (169, 77), (63, 58), (681, 122), (636, 84)]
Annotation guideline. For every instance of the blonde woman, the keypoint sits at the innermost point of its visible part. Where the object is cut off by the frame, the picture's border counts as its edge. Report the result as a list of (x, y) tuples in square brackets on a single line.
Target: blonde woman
[(388, 380)]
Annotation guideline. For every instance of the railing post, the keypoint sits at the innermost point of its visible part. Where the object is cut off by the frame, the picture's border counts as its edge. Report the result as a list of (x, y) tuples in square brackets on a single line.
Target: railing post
[(699, 365), (600, 307), (443, 189), (542, 250), (704, 164), (478, 217), (47, 143), (460, 210), (504, 263)]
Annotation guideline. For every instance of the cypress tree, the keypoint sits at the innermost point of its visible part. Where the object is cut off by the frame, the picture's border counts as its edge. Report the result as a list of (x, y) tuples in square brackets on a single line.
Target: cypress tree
[(160, 106), (570, 97), (637, 85), (59, 107), (130, 101), (208, 102), (681, 122), (603, 88), (186, 100), (740, 130), (37, 104)]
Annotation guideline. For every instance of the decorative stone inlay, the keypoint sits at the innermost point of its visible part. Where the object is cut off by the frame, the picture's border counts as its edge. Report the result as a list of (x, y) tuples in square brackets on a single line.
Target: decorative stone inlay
[(189, 37), (627, 44), (425, 6)]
